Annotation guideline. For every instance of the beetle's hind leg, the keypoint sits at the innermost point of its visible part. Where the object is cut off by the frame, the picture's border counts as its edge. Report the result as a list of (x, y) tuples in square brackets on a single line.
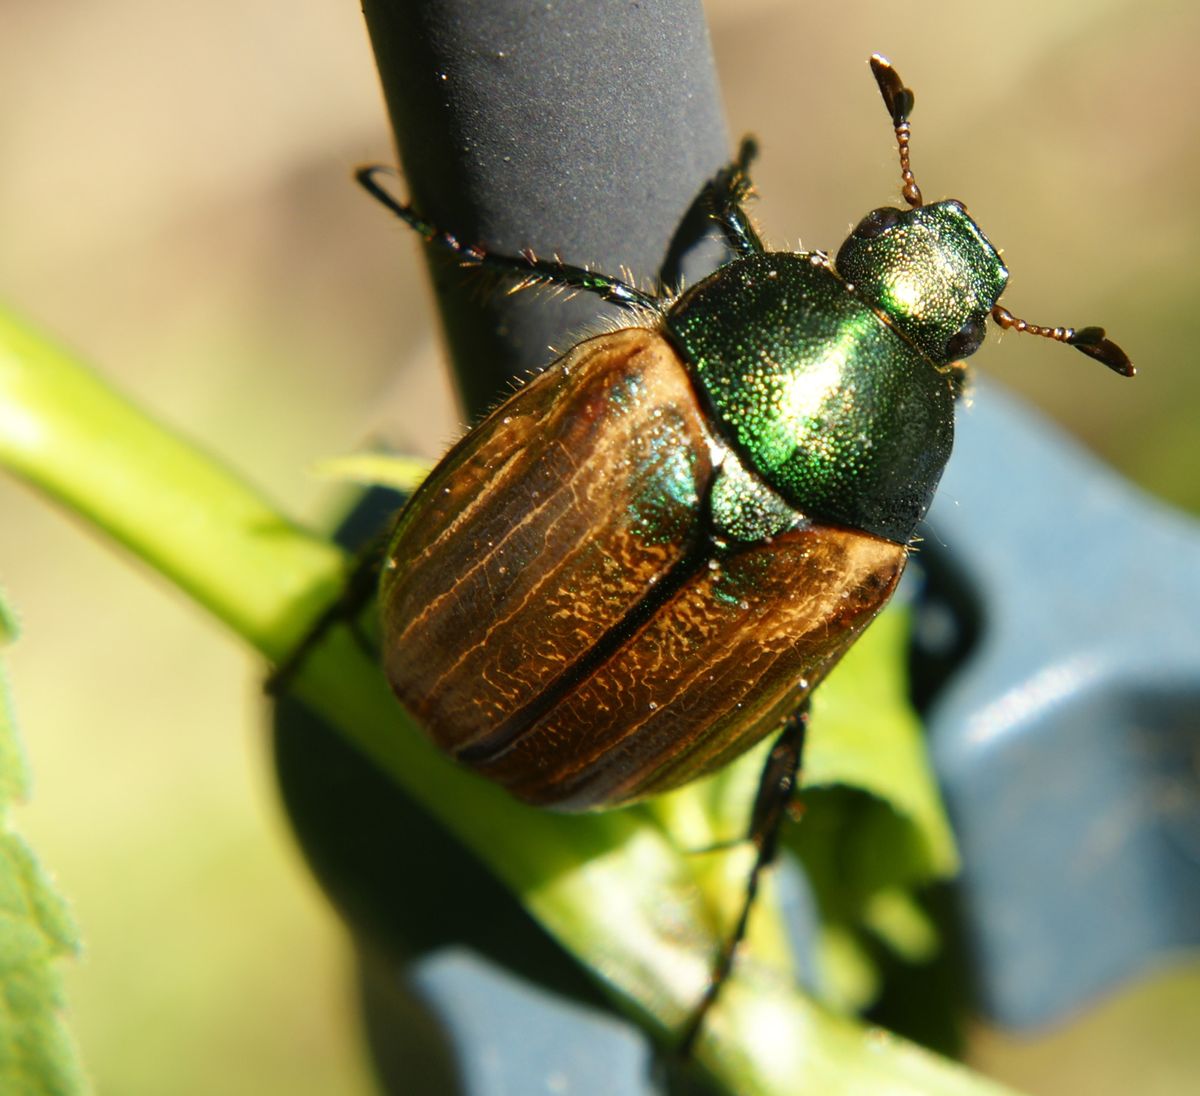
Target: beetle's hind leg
[(727, 195), (775, 789), (361, 582), (527, 268)]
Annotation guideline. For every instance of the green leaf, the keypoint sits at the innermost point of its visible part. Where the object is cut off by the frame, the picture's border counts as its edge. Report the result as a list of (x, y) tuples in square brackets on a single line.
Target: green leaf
[(37, 1055), (866, 735), (9, 629), (874, 828), (403, 474)]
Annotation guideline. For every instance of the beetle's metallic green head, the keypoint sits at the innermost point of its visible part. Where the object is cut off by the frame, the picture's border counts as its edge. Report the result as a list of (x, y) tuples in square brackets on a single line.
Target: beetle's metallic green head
[(930, 271)]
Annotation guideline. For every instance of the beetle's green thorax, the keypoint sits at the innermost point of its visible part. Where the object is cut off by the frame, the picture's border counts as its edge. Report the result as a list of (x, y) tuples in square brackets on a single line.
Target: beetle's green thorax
[(931, 271), (822, 399)]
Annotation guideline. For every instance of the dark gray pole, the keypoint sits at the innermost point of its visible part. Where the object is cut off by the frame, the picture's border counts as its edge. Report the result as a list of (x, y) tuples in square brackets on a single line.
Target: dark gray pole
[(584, 130)]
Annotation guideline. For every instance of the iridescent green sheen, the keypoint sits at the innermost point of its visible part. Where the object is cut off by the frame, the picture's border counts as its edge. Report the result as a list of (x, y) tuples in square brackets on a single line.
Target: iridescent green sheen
[(931, 272), (823, 399), (744, 508), (663, 511)]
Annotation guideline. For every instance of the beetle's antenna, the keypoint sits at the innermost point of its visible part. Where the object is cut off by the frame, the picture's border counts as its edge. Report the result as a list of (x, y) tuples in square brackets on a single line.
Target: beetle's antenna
[(899, 101), (1088, 340)]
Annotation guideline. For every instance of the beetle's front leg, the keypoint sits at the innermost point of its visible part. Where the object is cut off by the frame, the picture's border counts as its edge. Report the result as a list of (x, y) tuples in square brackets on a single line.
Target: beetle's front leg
[(960, 380), (726, 195), (775, 789)]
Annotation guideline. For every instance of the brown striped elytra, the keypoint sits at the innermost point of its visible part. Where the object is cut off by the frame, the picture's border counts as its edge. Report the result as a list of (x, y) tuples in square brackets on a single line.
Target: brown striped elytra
[(572, 620), (644, 560)]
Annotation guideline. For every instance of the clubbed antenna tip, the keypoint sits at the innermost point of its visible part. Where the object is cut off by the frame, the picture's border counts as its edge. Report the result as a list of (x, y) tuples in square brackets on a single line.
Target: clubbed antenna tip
[(899, 101), (1091, 341)]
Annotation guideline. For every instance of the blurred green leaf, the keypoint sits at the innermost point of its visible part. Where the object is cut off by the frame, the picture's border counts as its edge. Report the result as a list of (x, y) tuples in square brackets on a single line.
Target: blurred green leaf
[(403, 474), (866, 735), (874, 828), (37, 1055), (9, 630)]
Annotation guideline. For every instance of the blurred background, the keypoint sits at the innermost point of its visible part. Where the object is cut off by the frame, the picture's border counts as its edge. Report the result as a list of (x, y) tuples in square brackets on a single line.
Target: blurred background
[(175, 203)]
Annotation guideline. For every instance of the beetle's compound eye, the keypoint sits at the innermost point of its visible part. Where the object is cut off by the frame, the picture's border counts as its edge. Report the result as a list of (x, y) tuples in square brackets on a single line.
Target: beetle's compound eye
[(964, 342), (877, 222)]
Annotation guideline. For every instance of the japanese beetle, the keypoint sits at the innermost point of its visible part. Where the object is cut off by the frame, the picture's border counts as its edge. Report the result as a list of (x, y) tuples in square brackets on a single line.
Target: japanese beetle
[(644, 561)]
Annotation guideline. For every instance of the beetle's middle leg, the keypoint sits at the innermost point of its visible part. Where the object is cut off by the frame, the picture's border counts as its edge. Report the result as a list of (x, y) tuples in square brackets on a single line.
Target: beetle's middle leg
[(775, 789)]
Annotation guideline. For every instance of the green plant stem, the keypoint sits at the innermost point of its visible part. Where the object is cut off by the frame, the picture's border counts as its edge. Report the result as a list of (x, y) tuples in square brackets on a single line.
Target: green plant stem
[(172, 505), (611, 887)]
